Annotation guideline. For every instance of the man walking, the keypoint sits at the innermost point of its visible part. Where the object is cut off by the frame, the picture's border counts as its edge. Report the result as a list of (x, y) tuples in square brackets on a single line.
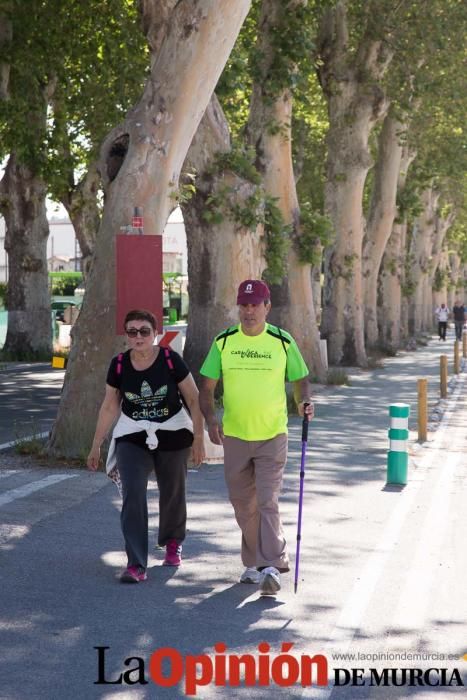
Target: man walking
[(458, 313), (442, 314), (254, 360)]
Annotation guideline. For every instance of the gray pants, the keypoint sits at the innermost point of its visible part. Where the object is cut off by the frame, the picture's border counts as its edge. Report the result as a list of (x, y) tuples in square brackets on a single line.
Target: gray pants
[(135, 464), (253, 473)]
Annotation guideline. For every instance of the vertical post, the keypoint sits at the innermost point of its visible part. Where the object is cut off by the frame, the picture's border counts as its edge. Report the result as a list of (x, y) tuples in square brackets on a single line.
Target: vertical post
[(137, 221), (464, 344), (422, 386), (456, 357), (443, 375), (398, 458)]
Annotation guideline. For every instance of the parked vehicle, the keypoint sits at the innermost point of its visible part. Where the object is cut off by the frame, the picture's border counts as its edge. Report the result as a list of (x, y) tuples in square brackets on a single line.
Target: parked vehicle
[(59, 308)]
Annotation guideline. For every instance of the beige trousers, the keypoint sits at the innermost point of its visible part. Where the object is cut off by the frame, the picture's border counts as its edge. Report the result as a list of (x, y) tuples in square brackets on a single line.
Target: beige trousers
[(253, 474)]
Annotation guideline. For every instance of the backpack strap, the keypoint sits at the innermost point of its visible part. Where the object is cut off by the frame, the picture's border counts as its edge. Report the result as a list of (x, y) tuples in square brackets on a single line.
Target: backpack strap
[(168, 359), (278, 334), (119, 363), (225, 334), (282, 339), (171, 367)]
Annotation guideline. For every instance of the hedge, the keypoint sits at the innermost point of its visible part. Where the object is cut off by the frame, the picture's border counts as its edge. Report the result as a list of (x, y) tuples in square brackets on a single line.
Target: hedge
[(64, 283)]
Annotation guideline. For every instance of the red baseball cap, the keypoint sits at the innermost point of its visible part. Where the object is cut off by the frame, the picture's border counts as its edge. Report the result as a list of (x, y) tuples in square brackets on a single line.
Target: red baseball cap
[(253, 292)]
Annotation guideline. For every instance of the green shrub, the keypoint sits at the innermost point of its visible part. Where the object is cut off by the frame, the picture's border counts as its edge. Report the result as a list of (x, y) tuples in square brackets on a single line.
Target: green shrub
[(337, 376), (3, 291), (64, 283)]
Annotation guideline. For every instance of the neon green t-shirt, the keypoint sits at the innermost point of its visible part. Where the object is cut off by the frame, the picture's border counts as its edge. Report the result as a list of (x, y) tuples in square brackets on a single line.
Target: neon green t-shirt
[(254, 370)]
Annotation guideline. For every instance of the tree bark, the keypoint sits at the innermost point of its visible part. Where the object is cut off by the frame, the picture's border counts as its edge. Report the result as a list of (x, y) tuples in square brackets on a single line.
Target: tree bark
[(6, 36), (420, 253), (456, 283), (356, 101), (441, 294), (439, 261), (22, 198), (404, 325), (393, 319), (461, 287), (381, 219), (220, 254), (390, 290), (141, 162), (317, 287), (293, 305), (22, 203), (82, 206)]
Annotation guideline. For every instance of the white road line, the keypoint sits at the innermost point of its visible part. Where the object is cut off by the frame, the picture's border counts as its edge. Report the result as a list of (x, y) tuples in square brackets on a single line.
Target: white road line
[(28, 438), (26, 490), (359, 599), (413, 601)]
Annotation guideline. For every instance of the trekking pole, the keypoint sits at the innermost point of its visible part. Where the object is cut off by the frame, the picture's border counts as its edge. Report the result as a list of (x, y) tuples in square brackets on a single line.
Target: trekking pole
[(300, 498)]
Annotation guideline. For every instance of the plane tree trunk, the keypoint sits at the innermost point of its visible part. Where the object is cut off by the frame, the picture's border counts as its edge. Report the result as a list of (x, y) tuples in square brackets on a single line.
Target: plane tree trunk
[(455, 284), (439, 268), (351, 82), (222, 251), (420, 249), (81, 203), (392, 319), (22, 203), (380, 219), (269, 132), (189, 43)]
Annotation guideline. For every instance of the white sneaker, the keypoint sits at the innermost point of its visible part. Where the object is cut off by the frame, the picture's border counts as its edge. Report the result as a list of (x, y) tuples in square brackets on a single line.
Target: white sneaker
[(250, 575), (270, 581)]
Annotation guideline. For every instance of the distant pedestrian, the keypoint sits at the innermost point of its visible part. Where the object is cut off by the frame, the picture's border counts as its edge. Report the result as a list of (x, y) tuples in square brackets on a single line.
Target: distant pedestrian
[(153, 432), (254, 359), (442, 314), (458, 313)]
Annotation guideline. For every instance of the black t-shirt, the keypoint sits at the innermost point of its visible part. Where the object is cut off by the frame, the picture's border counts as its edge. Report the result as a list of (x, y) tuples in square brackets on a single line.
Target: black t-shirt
[(152, 394)]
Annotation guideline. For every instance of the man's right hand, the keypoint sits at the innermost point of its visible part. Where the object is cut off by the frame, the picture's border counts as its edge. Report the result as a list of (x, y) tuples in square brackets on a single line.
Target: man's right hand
[(215, 433)]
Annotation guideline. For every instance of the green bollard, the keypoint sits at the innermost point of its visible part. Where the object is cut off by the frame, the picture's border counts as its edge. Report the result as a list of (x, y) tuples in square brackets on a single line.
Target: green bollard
[(398, 457)]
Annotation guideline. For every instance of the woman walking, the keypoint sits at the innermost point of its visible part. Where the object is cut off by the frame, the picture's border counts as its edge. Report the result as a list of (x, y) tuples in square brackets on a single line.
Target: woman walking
[(145, 391)]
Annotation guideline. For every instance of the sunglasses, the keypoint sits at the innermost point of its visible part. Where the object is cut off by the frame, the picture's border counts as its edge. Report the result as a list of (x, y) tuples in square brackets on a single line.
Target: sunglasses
[(144, 332)]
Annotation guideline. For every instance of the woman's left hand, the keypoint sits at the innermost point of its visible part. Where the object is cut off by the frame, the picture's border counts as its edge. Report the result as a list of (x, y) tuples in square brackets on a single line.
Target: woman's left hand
[(197, 450)]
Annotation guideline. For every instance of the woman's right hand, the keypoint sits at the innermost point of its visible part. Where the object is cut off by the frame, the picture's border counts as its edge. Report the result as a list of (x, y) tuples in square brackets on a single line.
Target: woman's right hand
[(94, 459)]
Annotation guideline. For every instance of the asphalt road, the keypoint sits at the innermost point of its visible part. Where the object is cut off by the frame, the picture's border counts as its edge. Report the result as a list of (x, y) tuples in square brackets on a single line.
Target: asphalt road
[(382, 570), (29, 396)]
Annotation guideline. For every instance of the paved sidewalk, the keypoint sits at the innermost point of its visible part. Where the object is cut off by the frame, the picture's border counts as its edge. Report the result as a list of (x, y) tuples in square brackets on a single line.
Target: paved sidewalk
[(361, 410)]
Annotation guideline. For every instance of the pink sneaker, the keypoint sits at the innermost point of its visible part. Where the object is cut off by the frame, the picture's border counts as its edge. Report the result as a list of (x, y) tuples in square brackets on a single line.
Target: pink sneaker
[(173, 554), (133, 574)]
